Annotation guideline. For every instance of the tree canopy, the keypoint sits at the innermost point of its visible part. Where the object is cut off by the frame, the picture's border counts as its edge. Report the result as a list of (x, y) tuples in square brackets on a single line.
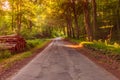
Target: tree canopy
[(88, 19)]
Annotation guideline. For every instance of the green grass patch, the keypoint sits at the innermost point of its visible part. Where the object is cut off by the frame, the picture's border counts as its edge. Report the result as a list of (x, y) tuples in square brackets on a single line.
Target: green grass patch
[(5, 54), (76, 40), (99, 45), (32, 46), (104, 47), (35, 43)]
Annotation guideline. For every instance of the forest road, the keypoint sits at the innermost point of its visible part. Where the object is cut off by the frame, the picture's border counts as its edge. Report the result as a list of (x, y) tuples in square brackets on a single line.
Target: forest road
[(61, 62)]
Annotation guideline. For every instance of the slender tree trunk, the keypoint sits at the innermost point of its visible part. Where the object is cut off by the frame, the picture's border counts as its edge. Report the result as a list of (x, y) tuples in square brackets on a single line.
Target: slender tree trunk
[(75, 18), (20, 21), (12, 17), (68, 29), (30, 25), (94, 17), (64, 31), (73, 33), (19, 17), (87, 20), (118, 18), (12, 25), (69, 23)]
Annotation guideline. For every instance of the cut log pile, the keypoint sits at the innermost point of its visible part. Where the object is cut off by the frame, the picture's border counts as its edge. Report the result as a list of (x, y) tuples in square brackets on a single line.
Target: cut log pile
[(14, 43)]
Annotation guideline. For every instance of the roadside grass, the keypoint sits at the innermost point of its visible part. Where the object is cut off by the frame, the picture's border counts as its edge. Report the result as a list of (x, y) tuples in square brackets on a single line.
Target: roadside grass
[(32, 46), (76, 40), (104, 47)]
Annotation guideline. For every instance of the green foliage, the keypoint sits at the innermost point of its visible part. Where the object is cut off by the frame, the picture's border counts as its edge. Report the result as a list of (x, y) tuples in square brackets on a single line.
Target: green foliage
[(77, 40), (26, 35), (26, 54), (33, 43), (29, 34), (57, 34), (108, 13), (52, 17), (103, 47), (5, 54)]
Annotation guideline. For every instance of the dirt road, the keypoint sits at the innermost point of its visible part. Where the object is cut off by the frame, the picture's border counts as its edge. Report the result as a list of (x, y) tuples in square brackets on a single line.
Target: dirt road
[(60, 62)]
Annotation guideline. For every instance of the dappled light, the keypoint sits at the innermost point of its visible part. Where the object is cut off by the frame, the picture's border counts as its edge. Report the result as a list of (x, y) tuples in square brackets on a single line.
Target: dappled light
[(52, 18), (103, 27), (74, 46), (72, 19), (6, 5), (26, 25)]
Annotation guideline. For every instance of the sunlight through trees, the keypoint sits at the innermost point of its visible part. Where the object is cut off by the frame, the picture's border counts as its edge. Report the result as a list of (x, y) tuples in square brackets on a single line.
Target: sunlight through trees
[(72, 18)]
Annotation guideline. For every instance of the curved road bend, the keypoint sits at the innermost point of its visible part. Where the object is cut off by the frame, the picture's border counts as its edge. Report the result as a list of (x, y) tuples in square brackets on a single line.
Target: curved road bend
[(59, 62)]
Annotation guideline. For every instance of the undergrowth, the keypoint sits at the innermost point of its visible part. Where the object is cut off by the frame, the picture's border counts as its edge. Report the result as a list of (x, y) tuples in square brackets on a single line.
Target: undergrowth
[(5, 54), (32, 45), (104, 47)]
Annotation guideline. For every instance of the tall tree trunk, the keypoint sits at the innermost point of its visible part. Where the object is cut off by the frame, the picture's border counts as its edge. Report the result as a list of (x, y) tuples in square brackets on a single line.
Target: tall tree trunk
[(87, 20), (94, 17), (118, 18), (70, 26), (12, 25), (64, 30), (75, 18), (73, 32), (68, 29), (30, 25), (69, 23), (19, 17)]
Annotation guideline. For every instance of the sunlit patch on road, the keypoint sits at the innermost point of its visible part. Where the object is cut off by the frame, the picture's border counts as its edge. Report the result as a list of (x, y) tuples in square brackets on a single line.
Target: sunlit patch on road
[(74, 46)]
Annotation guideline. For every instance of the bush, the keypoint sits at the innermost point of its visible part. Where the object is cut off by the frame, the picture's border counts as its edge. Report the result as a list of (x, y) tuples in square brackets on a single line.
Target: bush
[(29, 34), (33, 43)]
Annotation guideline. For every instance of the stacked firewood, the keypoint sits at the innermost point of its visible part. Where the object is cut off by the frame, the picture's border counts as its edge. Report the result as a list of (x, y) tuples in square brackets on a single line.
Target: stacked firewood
[(14, 43)]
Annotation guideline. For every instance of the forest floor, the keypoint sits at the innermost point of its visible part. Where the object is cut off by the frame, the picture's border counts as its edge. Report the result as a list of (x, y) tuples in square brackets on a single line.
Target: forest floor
[(92, 55)]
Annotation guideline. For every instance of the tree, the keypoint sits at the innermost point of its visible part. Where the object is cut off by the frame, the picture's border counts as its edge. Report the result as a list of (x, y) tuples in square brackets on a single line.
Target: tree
[(94, 7), (76, 18), (73, 5), (87, 20), (118, 15)]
